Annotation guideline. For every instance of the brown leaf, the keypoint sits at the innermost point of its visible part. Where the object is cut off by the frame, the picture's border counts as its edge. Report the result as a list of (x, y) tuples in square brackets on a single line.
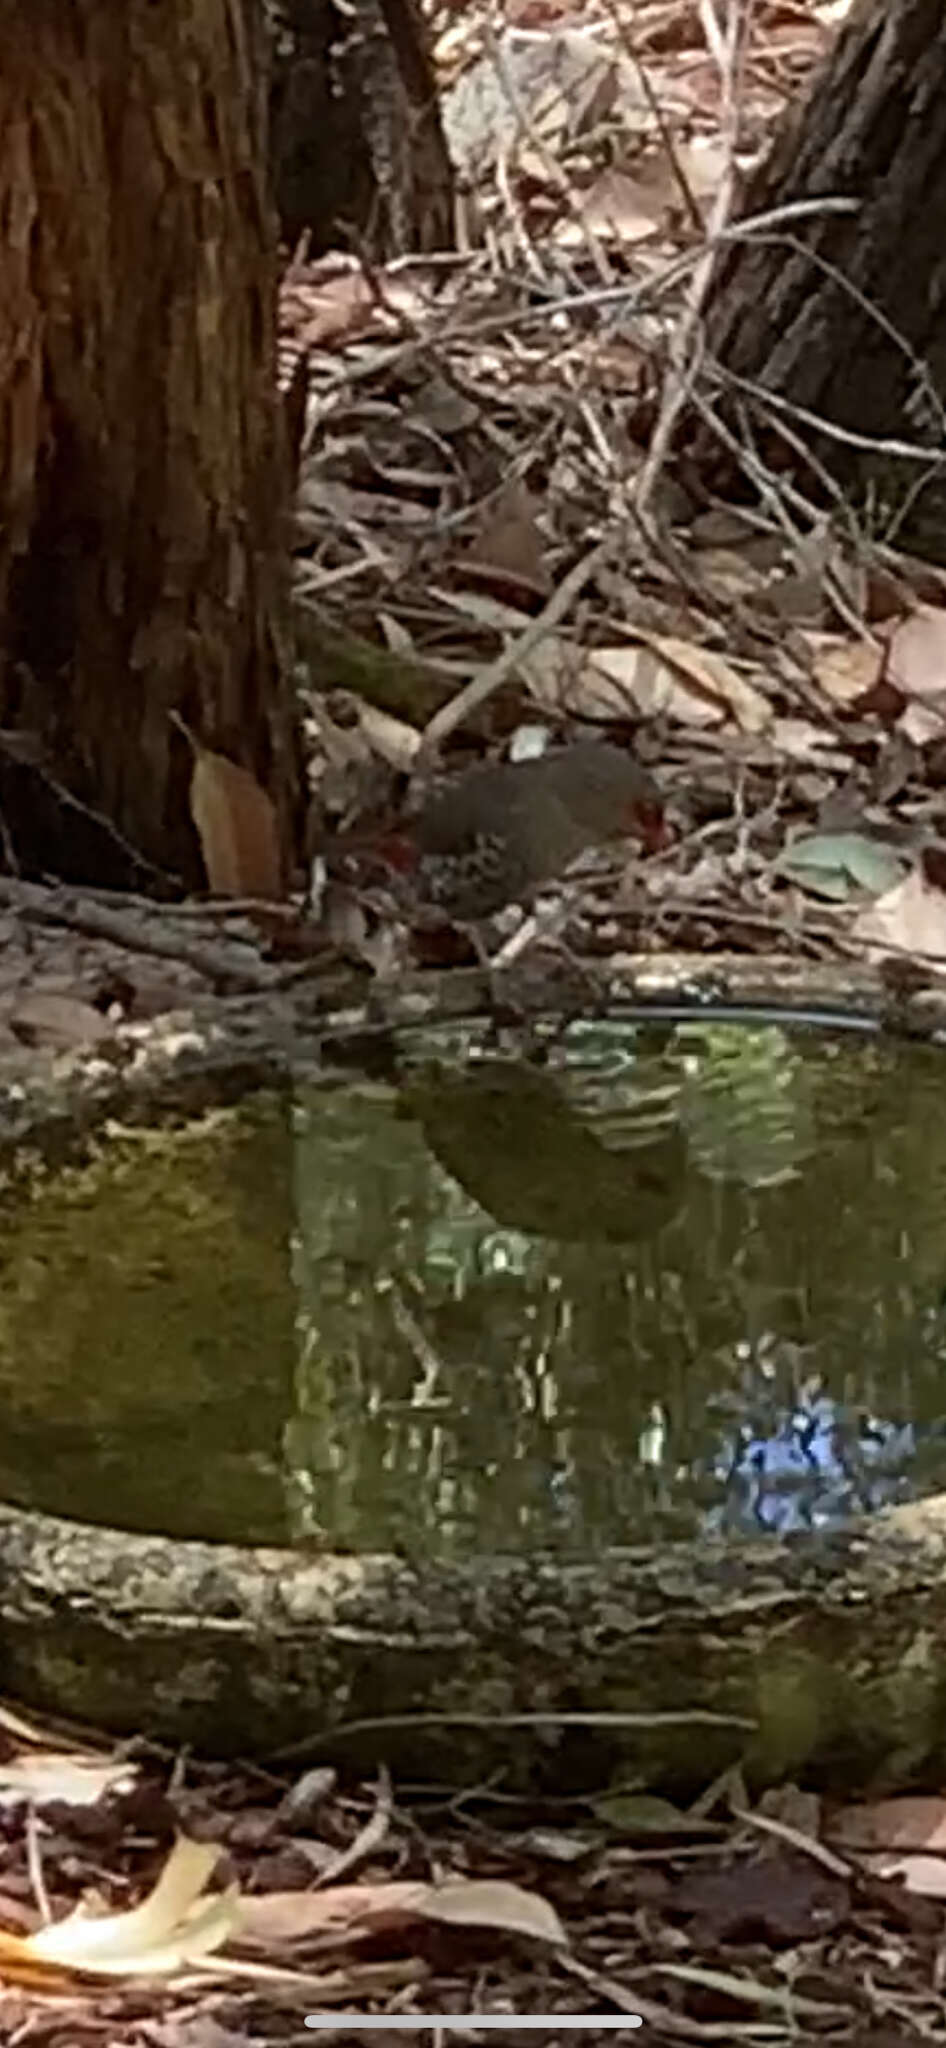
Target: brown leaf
[(237, 829), (347, 1910), (508, 554), (284, 1918)]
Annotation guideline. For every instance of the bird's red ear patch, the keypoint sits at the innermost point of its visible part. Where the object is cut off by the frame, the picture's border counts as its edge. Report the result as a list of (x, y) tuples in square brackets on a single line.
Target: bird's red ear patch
[(651, 825)]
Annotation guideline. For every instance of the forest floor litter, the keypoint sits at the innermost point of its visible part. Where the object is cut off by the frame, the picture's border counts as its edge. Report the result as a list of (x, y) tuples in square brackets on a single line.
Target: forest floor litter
[(501, 535)]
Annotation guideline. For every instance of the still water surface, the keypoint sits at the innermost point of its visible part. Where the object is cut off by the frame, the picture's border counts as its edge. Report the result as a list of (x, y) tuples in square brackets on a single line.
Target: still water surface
[(653, 1279)]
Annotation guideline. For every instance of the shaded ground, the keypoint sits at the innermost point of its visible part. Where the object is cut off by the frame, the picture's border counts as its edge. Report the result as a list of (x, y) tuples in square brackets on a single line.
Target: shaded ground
[(716, 1925)]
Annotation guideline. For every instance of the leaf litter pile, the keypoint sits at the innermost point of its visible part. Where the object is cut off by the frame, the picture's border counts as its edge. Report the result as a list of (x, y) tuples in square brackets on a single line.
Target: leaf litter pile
[(494, 539), (503, 534), (498, 536), (159, 1904)]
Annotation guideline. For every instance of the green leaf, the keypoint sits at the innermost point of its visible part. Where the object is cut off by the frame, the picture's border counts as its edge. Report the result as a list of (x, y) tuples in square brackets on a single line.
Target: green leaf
[(835, 864)]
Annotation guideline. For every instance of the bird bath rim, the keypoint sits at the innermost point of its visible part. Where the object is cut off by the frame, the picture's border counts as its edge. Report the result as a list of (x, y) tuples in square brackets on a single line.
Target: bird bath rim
[(251, 1649)]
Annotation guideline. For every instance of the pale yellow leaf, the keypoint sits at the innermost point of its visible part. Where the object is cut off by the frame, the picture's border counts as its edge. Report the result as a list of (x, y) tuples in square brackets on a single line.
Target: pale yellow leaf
[(45, 1775), (177, 1922), (729, 573), (800, 740), (921, 723), (925, 1875), (692, 684)]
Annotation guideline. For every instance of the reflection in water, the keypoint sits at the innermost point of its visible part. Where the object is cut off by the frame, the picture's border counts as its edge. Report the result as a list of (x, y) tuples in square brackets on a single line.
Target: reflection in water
[(646, 1280), (651, 1281), (811, 1465), (514, 1142)]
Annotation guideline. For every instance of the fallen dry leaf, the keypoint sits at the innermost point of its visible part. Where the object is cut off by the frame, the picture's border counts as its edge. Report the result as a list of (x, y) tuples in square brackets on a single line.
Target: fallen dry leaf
[(178, 1922), (491, 1902), (916, 656), (237, 829), (845, 669), (617, 207), (917, 1820), (903, 1838), (692, 684), (342, 1911), (45, 1776), (351, 1911), (390, 738), (711, 676), (508, 554), (922, 723), (910, 918)]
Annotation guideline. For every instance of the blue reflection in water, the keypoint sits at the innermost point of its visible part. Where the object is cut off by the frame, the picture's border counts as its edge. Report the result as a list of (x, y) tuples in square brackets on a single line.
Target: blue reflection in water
[(816, 1466)]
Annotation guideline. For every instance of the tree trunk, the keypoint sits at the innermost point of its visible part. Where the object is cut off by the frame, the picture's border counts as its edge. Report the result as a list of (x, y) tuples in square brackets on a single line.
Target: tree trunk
[(358, 151), (844, 314), (142, 476)]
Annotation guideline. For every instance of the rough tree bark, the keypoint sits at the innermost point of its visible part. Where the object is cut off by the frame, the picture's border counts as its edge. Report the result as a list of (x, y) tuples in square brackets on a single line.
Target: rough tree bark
[(142, 478), (358, 151), (844, 314)]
